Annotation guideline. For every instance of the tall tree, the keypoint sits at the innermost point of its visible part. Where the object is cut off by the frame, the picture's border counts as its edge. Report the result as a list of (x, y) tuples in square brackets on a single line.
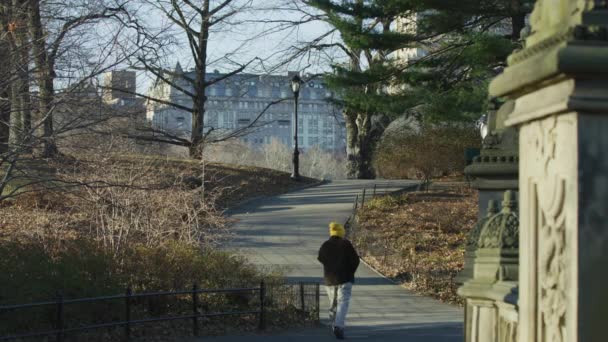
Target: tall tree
[(367, 42), (45, 77), (45, 41), (463, 44), (5, 105), (13, 31), (195, 20), (45, 52), (469, 45)]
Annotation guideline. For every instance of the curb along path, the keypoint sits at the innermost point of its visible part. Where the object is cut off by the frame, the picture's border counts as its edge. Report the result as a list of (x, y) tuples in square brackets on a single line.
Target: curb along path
[(288, 230)]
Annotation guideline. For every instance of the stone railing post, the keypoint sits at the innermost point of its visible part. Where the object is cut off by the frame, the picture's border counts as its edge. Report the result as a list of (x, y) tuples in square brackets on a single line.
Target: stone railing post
[(492, 173), (491, 292), (559, 85)]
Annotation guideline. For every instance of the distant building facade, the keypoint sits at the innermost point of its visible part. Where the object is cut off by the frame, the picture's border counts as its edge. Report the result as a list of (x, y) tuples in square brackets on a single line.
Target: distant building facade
[(119, 87), (237, 101), (118, 94), (409, 25)]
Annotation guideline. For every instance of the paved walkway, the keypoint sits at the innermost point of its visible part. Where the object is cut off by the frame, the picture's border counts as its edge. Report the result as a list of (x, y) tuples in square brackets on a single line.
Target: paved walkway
[(288, 230)]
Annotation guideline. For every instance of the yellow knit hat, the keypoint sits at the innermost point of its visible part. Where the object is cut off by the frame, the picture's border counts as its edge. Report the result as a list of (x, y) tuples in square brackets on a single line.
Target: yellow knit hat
[(336, 229)]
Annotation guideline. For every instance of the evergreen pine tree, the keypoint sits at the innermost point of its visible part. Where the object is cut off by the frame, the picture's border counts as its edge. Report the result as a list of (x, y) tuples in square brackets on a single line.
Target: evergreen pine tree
[(465, 43), (361, 82)]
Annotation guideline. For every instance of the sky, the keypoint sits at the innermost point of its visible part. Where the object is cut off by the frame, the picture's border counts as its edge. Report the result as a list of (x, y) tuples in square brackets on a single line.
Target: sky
[(247, 40)]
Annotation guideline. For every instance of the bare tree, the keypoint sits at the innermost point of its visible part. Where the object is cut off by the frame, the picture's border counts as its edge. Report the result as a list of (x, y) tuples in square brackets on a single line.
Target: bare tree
[(197, 21), (45, 52), (51, 43), (13, 31), (5, 108)]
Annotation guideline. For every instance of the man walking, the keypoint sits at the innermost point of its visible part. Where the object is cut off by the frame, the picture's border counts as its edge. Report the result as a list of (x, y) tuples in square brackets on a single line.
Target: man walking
[(340, 261)]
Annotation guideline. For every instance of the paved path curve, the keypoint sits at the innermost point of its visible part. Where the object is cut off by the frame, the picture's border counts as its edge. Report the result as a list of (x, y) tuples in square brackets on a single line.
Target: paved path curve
[(287, 231)]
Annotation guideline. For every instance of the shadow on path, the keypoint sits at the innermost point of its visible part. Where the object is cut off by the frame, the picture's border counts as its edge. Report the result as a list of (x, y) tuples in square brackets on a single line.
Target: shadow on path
[(435, 332), (286, 231)]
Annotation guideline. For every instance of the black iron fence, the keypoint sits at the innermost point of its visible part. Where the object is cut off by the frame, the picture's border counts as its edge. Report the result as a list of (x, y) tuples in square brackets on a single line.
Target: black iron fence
[(275, 303)]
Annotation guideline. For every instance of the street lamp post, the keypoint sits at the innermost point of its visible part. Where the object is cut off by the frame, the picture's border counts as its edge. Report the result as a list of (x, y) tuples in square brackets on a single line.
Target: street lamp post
[(296, 82)]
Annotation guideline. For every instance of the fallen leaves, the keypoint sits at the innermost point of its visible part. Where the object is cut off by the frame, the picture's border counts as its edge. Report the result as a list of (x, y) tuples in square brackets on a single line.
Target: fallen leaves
[(418, 238)]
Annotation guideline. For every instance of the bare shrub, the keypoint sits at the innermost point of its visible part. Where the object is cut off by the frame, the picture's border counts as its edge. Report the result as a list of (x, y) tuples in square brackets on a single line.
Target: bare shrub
[(277, 155), (425, 153), (314, 162), (136, 201)]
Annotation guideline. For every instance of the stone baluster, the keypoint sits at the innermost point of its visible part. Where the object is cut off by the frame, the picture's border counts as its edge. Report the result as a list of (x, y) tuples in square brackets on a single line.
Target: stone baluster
[(491, 292)]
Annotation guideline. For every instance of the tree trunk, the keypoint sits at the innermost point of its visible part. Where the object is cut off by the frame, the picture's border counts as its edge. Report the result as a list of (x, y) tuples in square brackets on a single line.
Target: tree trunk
[(359, 146), (518, 19), (5, 114), (20, 130), (5, 105), (198, 112), (44, 78), (359, 149)]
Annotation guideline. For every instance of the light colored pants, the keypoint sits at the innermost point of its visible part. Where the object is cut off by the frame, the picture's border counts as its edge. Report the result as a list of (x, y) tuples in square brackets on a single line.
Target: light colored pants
[(339, 299)]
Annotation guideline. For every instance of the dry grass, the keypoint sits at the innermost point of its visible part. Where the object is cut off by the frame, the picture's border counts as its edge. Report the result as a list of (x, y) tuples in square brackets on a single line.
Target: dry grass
[(418, 238), (106, 222), (236, 182), (136, 198)]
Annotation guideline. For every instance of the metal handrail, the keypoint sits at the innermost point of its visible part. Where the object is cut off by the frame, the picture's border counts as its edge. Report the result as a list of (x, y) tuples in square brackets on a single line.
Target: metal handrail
[(128, 296), (123, 296), (60, 330)]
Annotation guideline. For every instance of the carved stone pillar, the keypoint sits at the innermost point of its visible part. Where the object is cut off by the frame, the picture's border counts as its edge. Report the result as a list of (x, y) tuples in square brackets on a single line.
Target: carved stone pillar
[(559, 83), (494, 171), (472, 246), (491, 295)]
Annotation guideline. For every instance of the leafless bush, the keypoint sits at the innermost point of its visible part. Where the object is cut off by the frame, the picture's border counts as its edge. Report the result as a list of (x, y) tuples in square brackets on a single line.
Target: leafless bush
[(314, 162), (425, 153), (139, 200)]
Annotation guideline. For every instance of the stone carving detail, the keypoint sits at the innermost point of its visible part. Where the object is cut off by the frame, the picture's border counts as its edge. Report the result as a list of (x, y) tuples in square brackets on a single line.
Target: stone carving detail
[(473, 241), (560, 17), (507, 330), (532, 50), (502, 229), (491, 141), (550, 191), (548, 13)]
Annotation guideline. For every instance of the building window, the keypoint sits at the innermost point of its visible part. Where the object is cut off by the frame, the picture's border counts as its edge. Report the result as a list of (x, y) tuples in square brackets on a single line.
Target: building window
[(306, 94), (313, 126), (284, 123)]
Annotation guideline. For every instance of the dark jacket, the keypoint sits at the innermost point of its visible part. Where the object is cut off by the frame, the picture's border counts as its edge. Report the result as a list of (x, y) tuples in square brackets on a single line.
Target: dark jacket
[(340, 261)]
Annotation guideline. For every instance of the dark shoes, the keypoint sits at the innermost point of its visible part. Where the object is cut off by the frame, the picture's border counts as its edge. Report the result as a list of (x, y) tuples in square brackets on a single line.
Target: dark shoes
[(339, 333)]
